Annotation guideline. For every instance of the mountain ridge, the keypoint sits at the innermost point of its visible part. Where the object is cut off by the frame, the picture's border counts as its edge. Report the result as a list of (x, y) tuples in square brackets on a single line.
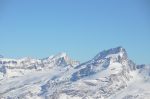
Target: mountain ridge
[(108, 75)]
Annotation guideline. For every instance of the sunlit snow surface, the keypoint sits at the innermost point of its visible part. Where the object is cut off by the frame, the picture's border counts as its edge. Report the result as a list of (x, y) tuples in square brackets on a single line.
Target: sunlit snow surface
[(109, 75)]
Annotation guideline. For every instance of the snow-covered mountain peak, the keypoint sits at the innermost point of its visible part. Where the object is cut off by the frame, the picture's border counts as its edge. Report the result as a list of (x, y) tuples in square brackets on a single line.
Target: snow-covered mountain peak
[(109, 75), (61, 59), (118, 53), (112, 61)]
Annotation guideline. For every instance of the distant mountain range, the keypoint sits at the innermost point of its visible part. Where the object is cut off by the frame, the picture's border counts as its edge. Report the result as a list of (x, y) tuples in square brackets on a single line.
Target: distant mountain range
[(108, 75)]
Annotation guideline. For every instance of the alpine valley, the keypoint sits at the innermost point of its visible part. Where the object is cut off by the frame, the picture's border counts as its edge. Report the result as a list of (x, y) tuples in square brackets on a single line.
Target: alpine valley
[(108, 75)]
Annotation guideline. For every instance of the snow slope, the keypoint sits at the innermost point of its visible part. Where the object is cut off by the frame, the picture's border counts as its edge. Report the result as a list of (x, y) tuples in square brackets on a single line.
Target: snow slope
[(109, 75)]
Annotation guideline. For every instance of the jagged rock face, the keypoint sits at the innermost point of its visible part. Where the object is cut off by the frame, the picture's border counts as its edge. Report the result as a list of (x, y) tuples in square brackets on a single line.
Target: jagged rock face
[(109, 75), (119, 52), (103, 61), (113, 66)]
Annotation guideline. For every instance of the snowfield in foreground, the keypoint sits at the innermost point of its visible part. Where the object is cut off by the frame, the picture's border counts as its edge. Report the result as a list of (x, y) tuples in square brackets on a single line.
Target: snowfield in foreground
[(109, 75)]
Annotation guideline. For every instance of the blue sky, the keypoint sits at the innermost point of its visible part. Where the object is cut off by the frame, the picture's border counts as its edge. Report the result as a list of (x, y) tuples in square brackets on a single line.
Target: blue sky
[(82, 28)]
